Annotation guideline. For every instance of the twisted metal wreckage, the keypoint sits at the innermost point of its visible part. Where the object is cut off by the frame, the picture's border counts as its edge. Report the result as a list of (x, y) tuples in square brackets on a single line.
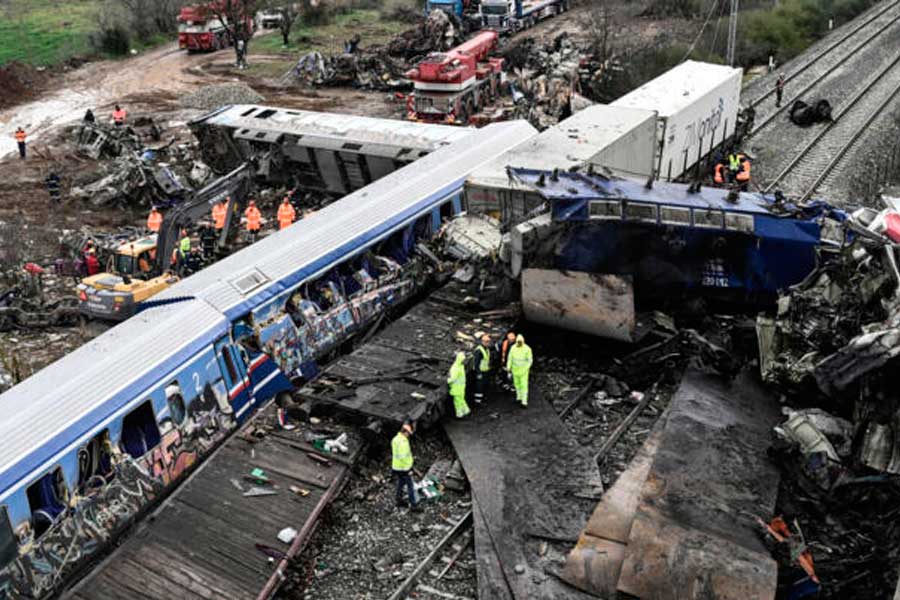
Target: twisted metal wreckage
[(838, 333)]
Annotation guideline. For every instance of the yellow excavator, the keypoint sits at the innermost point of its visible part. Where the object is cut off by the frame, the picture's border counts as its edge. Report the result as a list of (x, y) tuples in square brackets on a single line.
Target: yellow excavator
[(141, 267)]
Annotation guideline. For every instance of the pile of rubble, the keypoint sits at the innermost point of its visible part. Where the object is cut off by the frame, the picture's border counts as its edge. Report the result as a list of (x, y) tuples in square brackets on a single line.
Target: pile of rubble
[(549, 79), (372, 69), (136, 166), (211, 97), (378, 67)]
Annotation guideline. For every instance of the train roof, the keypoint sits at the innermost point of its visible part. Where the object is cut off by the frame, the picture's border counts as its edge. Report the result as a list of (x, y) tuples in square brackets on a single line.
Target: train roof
[(62, 404), (576, 187), (243, 281), (403, 140), (573, 141)]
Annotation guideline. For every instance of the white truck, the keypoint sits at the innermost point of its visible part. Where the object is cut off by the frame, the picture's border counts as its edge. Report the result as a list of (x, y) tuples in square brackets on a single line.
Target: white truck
[(514, 15), (697, 107)]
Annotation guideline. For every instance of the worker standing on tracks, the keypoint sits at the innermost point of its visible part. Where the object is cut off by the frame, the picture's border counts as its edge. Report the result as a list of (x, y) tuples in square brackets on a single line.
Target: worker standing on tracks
[(154, 220), (481, 361), (518, 362), (286, 214), (779, 89), (456, 379), (119, 115), (742, 176), (402, 464), (20, 140), (254, 221), (219, 215)]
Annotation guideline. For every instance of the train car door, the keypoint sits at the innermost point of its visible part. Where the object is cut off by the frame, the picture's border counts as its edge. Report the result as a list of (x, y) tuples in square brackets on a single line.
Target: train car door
[(237, 381)]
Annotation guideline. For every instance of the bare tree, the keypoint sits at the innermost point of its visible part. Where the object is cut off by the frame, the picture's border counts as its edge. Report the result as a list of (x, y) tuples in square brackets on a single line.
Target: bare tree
[(289, 14), (236, 16), (149, 17)]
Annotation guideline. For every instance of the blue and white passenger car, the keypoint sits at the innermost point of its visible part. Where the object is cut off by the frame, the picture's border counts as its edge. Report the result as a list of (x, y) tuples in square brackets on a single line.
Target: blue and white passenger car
[(93, 440)]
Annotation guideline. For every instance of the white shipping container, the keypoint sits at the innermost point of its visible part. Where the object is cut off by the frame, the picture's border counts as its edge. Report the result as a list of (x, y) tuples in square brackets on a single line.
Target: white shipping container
[(621, 139), (697, 104)]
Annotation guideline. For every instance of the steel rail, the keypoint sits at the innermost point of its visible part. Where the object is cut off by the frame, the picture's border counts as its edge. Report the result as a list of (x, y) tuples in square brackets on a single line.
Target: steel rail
[(844, 110), (839, 155), (759, 126)]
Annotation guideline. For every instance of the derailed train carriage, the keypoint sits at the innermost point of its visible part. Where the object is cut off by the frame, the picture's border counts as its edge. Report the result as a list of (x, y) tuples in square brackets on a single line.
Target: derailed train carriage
[(95, 439)]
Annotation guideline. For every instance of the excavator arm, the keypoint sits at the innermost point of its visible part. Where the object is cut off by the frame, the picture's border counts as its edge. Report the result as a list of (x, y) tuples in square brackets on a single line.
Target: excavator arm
[(234, 185)]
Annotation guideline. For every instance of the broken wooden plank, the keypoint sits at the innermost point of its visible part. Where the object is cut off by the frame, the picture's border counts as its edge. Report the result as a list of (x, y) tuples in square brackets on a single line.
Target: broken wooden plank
[(584, 391), (695, 531)]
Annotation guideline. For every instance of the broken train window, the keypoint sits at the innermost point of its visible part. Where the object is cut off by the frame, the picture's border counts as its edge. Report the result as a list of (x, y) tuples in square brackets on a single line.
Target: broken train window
[(47, 500), (95, 462), (140, 433), (175, 401)]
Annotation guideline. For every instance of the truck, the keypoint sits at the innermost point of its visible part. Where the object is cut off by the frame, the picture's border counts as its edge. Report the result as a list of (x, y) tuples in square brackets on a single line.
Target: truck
[(200, 29), (141, 268), (515, 15), (451, 86)]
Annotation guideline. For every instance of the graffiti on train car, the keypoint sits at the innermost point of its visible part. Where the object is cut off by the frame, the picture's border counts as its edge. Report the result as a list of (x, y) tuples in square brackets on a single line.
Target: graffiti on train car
[(91, 521), (96, 515)]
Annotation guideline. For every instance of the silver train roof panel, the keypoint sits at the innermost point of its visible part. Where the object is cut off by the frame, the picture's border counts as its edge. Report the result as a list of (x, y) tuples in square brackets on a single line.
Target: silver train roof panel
[(380, 137), (58, 407), (238, 284)]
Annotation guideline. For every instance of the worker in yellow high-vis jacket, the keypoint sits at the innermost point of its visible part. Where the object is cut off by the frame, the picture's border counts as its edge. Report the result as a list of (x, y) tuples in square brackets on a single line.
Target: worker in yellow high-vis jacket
[(402, 464), (456, 379), (518, 363)]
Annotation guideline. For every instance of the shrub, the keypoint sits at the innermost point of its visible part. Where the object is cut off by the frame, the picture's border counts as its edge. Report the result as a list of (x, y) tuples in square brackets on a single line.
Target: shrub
[(112, 38)]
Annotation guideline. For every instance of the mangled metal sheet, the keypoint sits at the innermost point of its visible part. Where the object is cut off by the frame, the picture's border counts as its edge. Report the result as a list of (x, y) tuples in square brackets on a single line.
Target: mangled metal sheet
[(594, 564), (695, 535), (601, 305), (472, 237)]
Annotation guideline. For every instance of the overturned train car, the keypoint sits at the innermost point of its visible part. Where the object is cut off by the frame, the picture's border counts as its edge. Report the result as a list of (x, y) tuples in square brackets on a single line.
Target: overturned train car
[(323, 151), (95, 439)]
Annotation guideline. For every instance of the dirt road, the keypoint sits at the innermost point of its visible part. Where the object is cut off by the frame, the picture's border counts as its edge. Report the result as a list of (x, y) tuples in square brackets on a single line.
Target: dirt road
[(98, 86)]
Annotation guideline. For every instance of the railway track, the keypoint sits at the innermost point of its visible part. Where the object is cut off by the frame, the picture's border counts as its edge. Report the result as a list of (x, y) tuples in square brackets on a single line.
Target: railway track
[(818, 158), (806, 76), (438, 563), (859, 73)]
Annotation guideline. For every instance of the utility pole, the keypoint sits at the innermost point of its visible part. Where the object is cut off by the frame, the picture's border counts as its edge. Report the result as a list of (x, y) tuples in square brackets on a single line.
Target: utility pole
[(732, 32)]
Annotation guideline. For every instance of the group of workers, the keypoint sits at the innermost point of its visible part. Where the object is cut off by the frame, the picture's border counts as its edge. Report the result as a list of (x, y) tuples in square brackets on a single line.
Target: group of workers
[(515, 356), (733, 170)]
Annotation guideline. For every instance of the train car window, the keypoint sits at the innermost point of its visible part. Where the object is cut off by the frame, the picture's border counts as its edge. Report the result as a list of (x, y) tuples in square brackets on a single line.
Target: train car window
[(266, 113), (8, 550), (94, 462), (446, 211), (175, 400), (46, 500), (229, 364), (140, 433)]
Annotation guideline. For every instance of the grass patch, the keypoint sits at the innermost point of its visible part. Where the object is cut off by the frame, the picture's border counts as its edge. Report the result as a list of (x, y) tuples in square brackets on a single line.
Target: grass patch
[(40, 32), (330, 38)]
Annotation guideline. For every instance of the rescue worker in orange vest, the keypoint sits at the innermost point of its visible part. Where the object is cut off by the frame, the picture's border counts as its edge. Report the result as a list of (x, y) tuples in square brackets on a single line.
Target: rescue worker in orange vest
[(20, 139), (119, 115), (508, 342), (219, 214), (286, 214), (154, 220), (254, 221), (719, 176)]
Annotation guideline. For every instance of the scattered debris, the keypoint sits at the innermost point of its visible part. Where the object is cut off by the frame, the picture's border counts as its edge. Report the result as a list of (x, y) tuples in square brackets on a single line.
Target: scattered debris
[(804, 114)]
